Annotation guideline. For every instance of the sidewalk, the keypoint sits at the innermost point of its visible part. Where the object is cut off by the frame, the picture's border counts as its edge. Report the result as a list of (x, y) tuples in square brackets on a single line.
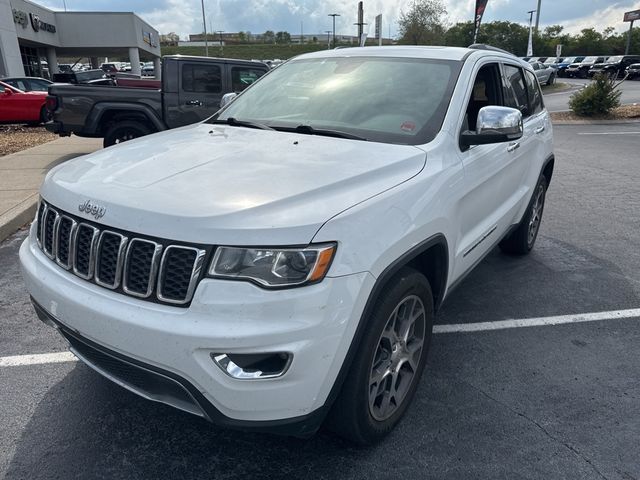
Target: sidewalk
[(22, 173)]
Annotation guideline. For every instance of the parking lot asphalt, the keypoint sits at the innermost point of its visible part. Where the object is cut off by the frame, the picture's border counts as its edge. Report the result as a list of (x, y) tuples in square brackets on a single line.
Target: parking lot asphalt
[(540, 402), (559, 101)]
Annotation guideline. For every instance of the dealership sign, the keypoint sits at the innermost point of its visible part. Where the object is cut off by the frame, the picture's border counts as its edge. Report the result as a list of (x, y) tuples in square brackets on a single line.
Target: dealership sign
[(21, 18), (632, 16)]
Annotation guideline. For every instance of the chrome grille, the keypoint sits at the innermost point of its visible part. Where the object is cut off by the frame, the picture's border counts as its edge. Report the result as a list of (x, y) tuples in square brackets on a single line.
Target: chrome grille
[(155, 270)]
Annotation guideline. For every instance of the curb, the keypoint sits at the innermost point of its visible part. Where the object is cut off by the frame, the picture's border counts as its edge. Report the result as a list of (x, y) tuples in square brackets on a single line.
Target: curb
[(18, 216)]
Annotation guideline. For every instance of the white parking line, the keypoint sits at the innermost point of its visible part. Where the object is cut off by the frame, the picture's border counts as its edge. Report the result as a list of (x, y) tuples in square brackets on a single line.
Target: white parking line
[(537, 322), (608, 133), (61, 357), (39, 359)]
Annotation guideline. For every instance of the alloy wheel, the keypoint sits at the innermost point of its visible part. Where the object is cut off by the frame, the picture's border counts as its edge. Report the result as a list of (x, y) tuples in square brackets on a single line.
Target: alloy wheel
[(397, 357), (536, 214)]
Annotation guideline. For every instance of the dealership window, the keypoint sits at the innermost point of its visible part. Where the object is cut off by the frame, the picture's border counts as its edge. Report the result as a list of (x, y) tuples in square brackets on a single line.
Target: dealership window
[(31, 61), (201, 78), (242, 77)]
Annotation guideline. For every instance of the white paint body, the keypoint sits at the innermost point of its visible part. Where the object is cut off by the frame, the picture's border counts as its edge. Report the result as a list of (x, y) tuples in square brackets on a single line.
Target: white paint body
[(222, 185)]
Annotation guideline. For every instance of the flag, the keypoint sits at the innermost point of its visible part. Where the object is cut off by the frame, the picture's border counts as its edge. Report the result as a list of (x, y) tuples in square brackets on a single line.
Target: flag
[(481, 5)]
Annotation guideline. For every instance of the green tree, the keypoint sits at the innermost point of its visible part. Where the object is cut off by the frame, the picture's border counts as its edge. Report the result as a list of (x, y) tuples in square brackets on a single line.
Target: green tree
[(459, 35), (269, 37), (283, 37), (423, 23)]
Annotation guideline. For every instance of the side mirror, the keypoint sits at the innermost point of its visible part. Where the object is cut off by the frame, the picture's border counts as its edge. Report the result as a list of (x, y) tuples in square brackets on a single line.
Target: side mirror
[(227, 98), (494, 125)]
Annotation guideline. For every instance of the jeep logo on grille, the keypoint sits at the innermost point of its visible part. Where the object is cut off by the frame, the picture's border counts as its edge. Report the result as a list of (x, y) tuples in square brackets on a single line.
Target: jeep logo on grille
[(92, 209)]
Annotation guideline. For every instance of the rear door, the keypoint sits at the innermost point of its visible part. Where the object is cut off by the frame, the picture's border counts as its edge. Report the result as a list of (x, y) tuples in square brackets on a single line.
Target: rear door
[(242, 76), (201, 86)]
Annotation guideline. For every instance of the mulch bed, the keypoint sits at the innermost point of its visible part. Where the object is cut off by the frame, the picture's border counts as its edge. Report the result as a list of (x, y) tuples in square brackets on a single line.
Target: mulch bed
[(14, 138), (625, 112)]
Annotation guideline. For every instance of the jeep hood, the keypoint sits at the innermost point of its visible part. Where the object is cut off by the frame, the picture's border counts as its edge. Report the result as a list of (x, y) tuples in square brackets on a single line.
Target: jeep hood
[(229, 185)]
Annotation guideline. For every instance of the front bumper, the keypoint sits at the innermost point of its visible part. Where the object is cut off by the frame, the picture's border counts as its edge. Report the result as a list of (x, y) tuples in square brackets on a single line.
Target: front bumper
[(315, 324)]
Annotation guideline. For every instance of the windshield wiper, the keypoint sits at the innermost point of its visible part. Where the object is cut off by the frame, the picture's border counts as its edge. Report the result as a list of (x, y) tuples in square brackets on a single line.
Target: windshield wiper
[(309, 130), (234, 122)]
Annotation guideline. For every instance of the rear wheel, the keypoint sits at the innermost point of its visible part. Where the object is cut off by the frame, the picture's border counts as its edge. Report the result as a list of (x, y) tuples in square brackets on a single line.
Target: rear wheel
[(123, 131), (45, 115), (552, 79), (387, 369), (522, 240)]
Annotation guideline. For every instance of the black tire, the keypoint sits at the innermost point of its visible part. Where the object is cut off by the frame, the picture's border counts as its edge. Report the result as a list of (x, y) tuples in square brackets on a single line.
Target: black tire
[(45, 115), (352, 415), (552, 79), (522, 240), (122, 131)]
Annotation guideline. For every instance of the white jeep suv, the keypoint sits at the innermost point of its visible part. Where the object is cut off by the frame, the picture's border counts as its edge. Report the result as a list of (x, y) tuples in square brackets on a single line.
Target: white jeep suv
[(281, 263)]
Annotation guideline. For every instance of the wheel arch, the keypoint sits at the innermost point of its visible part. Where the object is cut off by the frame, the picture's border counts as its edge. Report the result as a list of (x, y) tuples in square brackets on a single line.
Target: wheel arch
[(104, 113), (433, 252), (547, 168)]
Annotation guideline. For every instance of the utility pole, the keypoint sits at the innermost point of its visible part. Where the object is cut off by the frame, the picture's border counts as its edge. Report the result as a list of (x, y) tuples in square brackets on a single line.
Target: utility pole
[(538, 15), (301, 32), (328, 32), (530, 44), (221, 43), (204, 25), (334, 15), (360, 23)]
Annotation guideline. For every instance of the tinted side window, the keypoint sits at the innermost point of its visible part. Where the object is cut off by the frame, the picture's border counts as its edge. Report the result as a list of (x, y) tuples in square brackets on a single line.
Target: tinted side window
[(535, 96), (242, 77), (201, 78), (515, 91)]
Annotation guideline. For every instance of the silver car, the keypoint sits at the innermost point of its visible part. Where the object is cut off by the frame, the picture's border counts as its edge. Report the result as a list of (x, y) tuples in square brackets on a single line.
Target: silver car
[(546, 75)]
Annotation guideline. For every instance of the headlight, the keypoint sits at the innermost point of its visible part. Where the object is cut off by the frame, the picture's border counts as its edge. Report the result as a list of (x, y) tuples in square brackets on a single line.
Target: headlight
[(282, 267)]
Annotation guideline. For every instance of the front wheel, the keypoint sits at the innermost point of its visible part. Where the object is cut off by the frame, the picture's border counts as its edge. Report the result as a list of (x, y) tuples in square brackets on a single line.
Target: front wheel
[(389, 363), (123, 131), (521, 241)]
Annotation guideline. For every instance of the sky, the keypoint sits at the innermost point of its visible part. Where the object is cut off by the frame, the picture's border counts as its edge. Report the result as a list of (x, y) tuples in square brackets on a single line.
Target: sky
[(185, 16)]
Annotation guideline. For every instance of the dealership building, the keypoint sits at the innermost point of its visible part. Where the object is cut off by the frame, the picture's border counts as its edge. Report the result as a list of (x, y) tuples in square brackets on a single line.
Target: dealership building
[(30, 33)]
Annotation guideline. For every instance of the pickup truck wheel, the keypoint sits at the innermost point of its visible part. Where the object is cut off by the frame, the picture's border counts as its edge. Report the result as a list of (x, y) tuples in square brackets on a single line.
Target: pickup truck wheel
[(387, 369), (122, 131), (521, 241)]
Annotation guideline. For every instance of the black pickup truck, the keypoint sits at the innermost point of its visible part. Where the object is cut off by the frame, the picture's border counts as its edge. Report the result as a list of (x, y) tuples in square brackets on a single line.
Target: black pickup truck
[(190, 91)]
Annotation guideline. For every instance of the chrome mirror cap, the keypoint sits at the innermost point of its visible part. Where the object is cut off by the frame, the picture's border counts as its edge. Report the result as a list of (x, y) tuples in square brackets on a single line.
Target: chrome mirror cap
[(501, 121), (227, 98)]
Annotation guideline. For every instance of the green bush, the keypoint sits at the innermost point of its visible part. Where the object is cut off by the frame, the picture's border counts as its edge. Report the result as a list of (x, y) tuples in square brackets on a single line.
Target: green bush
[(598, 98)]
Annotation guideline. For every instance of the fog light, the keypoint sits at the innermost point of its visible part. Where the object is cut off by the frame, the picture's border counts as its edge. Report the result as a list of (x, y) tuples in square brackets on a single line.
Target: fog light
[(253, 366)]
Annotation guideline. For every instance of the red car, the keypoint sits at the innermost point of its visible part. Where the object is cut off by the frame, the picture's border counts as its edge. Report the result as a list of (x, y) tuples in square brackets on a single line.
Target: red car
[(17, 106)]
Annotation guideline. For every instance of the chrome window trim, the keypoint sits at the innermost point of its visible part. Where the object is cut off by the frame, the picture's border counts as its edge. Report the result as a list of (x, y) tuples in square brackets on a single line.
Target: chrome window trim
[(119, 260), (155, 263), (193, 280), (50, 254), (71, 248), (92, 250)]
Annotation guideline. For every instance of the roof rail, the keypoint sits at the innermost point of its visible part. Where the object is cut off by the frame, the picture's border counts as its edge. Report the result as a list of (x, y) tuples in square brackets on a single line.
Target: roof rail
[(482, 46)]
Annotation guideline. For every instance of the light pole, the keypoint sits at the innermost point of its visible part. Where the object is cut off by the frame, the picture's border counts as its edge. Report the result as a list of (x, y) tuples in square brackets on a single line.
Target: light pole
[(204, 25), (538, 15), (328, 32), (221, 44), (334, 15), (530, 45)]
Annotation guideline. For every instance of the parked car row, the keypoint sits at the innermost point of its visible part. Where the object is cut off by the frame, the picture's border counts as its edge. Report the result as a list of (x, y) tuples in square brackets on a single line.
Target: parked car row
[(617, 66)]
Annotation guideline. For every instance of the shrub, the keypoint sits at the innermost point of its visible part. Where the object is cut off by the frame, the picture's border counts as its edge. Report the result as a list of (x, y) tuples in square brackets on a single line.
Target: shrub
[(598, 98)]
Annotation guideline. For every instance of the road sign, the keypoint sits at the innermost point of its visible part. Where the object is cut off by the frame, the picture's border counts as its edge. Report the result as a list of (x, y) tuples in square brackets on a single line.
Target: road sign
[(632, 16), (558, 50)]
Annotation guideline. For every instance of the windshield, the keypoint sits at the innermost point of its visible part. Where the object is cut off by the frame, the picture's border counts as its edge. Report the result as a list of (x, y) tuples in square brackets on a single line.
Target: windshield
[(391, 100), (617, 59), (551, 60), (569, 60), (590, 60)]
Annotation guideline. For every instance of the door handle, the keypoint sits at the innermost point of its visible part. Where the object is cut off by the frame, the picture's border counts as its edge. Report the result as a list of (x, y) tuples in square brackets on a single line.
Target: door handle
[(196, 103), (513, 146), (539, 129)]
